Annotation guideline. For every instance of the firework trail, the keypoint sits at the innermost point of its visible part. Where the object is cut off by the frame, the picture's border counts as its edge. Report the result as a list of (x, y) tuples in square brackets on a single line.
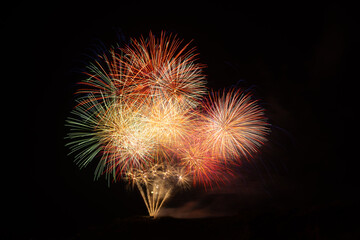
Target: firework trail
[(156, 183), (141, 113)]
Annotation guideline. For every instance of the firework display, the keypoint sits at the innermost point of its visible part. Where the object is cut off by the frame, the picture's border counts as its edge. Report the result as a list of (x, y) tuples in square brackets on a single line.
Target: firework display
[(144, 114)]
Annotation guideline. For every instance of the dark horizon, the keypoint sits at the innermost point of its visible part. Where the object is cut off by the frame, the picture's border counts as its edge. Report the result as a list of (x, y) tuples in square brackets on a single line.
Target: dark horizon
[(297, 59)]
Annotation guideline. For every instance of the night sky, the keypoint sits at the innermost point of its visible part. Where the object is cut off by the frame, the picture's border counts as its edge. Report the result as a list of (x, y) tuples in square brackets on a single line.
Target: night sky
[(295, 58)]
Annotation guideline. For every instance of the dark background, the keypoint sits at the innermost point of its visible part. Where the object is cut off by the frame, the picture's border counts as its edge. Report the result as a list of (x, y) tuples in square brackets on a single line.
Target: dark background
[(297, 58)]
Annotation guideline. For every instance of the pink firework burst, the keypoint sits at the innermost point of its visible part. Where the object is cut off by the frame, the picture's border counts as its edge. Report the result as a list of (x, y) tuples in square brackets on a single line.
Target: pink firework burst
[(233, 125)]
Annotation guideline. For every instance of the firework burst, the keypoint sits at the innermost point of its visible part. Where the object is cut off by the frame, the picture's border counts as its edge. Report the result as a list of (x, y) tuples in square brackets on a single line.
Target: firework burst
[(197, 160), (160, 67), (106, 78), (85, 137), (126, 139), (141, 112), (169, 121), (233, 124)]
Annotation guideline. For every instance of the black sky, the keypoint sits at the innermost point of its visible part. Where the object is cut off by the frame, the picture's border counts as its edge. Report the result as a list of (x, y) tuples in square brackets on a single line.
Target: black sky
[(296, 58)]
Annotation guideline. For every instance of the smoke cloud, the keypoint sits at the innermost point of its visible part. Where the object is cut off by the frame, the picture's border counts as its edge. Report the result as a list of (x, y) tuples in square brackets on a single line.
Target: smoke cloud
[(220, 202)]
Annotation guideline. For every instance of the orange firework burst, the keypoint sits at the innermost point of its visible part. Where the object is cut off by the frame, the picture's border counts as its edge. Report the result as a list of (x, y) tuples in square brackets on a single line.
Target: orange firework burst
[(160, 67), (233, 124)]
